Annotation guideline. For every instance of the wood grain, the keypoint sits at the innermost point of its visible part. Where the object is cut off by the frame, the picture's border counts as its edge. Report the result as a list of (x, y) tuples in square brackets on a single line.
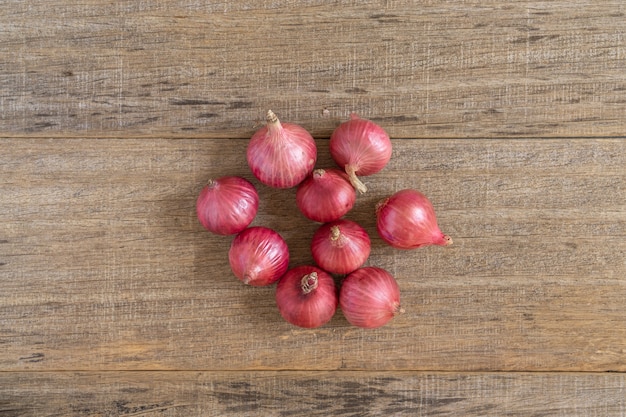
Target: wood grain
[(105, 267), (462, 68), (317, 393), (509, 115), (312, 393)]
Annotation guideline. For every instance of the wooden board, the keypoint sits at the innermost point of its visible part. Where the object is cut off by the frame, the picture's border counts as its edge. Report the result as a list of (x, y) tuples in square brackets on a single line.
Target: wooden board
[(211, 69), (106, 266), (282, 394), (509, 115)]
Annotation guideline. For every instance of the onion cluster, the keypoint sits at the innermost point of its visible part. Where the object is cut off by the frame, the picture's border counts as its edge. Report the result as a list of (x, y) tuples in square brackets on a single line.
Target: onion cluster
[(283, 155)]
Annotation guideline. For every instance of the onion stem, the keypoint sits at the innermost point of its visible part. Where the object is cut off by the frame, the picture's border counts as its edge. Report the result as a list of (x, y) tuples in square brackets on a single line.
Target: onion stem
[(271, 118), (309, 282), (398, 310), (354, 180)]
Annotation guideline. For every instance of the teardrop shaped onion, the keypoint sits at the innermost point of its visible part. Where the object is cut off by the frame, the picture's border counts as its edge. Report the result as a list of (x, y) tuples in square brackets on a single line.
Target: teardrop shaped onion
[(406, 220)]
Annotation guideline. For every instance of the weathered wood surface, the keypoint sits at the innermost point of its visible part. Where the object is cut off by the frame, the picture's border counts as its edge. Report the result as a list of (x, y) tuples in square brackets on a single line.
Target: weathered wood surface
[(114, 300), (283, 394), (105, 265), (492, 68)]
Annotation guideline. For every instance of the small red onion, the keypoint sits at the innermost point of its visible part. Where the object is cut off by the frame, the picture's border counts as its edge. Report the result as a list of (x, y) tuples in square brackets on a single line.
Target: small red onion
[(258, 256), (370, 297), (325, 195), (306, 296), (341, 246), (227, 205), (281, 155), (361, 147), (406, 220)]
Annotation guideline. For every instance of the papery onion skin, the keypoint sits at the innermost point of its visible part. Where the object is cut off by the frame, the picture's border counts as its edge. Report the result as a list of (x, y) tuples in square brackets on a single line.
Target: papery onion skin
[(281, 155), (341, 246), (258, 256), (325, 195), (361, 147), (227, 205), (370, 297), (306, 296), (407, 220)]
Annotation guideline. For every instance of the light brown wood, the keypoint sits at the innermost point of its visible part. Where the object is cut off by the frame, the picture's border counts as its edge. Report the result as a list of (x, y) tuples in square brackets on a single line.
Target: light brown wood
[(106, 267), (311, 393), (492, 68), (509, 115)]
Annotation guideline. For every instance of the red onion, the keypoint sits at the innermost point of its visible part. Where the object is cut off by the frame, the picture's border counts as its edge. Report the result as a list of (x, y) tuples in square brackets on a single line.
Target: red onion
[(227, 205), (370, 297), (306, 296), (281, 155), (258, 256), (361, 147), (341, 246), (407, 220), (325, 195)]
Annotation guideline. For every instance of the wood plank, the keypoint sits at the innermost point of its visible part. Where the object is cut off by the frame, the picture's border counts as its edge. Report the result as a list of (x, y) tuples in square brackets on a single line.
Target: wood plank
[(105, 267), (493, 68), (312, 393)]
